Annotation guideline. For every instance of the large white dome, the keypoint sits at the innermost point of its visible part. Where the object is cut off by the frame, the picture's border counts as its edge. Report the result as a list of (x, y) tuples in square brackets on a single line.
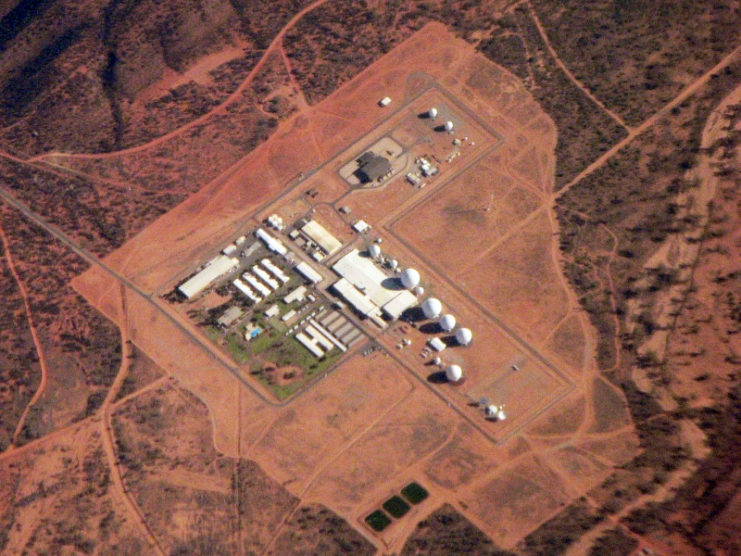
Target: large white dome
[(463, 336), (432, 308), (374, 251), (447, 323), (410, 278), (449, 126), (432, 113), (453, 373)]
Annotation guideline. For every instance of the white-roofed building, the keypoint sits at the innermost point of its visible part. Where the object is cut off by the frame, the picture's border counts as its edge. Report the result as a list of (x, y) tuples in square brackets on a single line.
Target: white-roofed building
[(361, 226), (308, 272), (399, 304), (363, 273), (265, 277), (373, 287), (361, 302), (309, 344), (437, 344), (319, 235), (255, 283), (275, 245), (274, 270), (297, 294), (214, 269), (246, 291)]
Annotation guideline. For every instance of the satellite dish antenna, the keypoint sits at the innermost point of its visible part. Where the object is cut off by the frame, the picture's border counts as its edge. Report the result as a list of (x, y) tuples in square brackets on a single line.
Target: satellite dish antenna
[(484, 401)]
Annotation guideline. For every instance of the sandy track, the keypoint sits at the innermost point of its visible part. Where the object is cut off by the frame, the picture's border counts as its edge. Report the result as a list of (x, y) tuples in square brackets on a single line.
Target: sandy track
[(34, 335), (108, 440)]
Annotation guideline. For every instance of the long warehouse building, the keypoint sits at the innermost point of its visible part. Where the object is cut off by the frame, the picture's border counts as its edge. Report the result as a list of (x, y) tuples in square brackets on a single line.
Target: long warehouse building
[(214, 269)]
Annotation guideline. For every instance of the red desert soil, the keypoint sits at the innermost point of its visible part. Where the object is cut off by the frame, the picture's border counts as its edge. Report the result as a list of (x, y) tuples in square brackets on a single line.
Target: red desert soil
[(357, 434)]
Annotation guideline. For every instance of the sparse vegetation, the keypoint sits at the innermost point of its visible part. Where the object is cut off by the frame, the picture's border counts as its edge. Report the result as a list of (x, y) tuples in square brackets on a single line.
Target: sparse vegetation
[(445, 532), (558, 533)]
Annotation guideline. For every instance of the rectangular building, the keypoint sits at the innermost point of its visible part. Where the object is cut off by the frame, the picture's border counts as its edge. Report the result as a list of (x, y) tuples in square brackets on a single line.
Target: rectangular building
[(275, 245), (214, 269), (265, 277), (308, 272), (296, 295), (319, 235), (309, 344), (399, 304), (274, 270), (255, 283)]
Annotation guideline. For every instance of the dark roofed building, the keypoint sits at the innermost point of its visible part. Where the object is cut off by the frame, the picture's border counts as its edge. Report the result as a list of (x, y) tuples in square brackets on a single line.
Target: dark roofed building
[(372, 167)]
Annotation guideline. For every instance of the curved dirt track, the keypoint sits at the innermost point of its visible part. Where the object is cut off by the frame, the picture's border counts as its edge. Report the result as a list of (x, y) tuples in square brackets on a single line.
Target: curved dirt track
[(34, 335), (567, 71), (221, 108)]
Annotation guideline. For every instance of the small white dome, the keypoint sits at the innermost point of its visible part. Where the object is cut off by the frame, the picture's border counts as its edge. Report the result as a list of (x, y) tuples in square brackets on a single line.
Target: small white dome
[(432, 308), (437, 361), (419, 290), (463, 336), (453, 373), (374, 251), (501, 415), (432, 113), (448, 126), (410, 278), (393, 263), (447, 323), (491, 410)]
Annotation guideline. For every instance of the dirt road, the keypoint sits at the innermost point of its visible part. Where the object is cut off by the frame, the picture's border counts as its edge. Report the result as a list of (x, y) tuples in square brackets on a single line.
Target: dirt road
[(34, 336)]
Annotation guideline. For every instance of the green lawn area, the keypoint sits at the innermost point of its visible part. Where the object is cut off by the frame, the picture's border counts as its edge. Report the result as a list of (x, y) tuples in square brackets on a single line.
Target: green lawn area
[(396, 506), (212, 332), (414, 492), (235, 344), (378, 521), (274, 346)]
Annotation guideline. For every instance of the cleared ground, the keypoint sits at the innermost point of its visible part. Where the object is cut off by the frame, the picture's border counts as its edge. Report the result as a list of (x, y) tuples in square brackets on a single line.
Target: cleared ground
[(376, 423)]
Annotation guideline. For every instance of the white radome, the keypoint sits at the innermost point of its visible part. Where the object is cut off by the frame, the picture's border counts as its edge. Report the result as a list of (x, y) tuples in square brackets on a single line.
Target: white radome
[(432, 308), (393, 263), (432, 113), (448, 126), (501, 415), (437, 361), (374, 251), (447, 323), (410, 278), (453, 373), (463, 336), (419, 291)]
